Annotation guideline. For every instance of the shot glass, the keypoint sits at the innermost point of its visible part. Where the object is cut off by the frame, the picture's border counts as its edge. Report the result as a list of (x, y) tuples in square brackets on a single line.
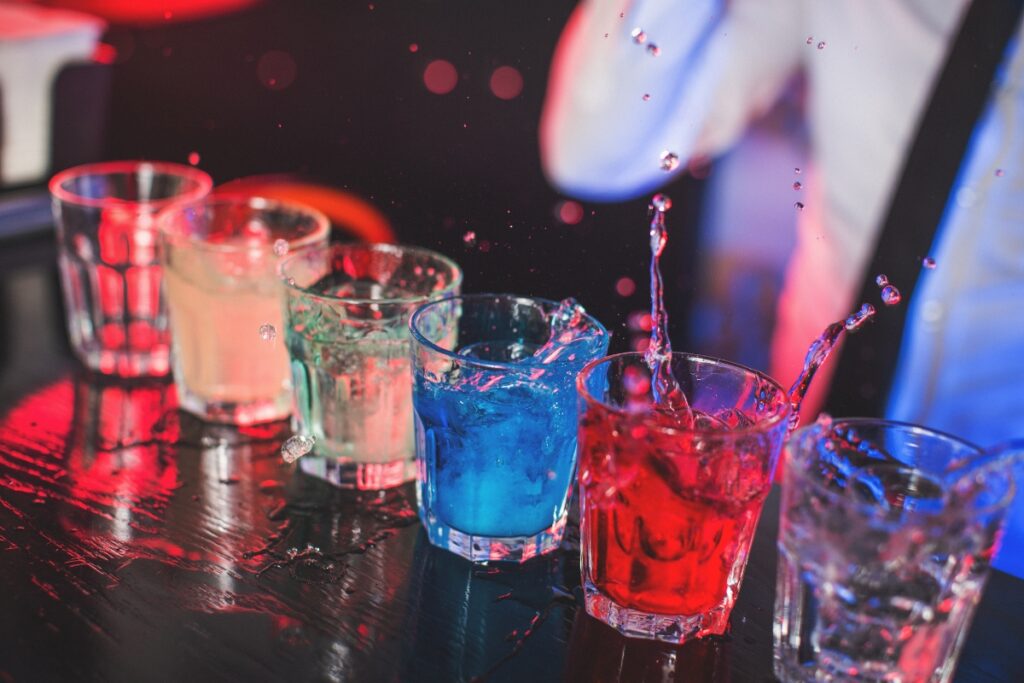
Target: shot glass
[(226, 303), (348, 309), (496, 420), (885, 539), (668, 512), (110, 271)]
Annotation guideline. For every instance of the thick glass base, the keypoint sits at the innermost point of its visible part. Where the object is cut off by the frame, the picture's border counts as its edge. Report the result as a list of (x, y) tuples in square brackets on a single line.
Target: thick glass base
[(668, 628), (493, 549), (232, 412), (363, 476)]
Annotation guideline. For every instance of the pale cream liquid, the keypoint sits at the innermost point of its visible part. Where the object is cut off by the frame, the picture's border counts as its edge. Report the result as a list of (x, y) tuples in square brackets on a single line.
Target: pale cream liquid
[(220, 355)]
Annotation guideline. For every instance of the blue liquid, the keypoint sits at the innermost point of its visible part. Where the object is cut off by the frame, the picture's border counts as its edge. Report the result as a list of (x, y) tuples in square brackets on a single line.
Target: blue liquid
[(499, 449)]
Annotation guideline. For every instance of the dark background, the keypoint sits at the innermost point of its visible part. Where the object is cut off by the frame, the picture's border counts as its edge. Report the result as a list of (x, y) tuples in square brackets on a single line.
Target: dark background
[(357, 116)]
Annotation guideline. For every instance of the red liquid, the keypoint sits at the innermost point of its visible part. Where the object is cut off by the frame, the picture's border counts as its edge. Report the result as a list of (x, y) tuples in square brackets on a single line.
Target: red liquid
[(667, 527)]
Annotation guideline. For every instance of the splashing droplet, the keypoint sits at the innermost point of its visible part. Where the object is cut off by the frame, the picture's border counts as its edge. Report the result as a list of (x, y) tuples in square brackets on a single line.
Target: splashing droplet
[(928, 262), (999, 173), (881, 280), (798, 185), (661, 202), (646, 97), (280, 247), (653, 50), (268, 332), (296, 447), (857, 320), (799, 206), (796, 170), (821, 45), (669, 161), (469, 239), (810, 39), (890, 295), (639, 37)]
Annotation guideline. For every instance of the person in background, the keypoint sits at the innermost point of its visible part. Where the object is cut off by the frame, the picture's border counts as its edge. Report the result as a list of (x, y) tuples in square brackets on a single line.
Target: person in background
[(633, 81)]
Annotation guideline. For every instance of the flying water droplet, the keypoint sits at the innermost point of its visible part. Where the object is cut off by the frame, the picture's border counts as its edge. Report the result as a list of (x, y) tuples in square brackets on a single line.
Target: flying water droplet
[(881, 280), (796, 170), (890, 295), (999, 173), (821, 45), (857, 320), (296, 447), (928, 262), (661, 202), (639, 36), (669, 161), (799, 206), (268, 332), (646, 97), (280, 247), (653, 50), (797, 185), (469, 239), (810, 39)]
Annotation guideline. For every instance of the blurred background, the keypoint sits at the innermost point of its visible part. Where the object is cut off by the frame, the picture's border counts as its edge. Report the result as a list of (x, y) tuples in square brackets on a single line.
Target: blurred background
[(426, 111)]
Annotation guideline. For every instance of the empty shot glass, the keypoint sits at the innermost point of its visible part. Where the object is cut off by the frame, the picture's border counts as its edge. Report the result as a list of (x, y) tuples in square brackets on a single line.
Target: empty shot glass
[(347, 330), (496, 420), (668, 511), (886, 535), (226, 303), (110, 271)]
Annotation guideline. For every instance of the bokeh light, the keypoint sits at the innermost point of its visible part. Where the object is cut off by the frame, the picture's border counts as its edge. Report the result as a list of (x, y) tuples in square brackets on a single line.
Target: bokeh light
[(440, 77), (569, 212), (506, 83), (276, 70)]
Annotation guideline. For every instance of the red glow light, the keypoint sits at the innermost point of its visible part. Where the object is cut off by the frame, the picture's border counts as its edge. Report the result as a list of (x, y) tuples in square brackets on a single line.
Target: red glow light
[(506, 83), (276, 70), (569, 212), (440, 77), (625, 286)]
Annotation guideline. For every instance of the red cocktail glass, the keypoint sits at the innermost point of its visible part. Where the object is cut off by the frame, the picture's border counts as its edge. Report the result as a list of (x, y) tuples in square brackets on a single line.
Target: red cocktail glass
[(669, 511)]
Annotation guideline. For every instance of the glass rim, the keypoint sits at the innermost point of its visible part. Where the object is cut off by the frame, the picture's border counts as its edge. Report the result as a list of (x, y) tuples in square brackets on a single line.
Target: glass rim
[(449, 264), (204, 183), (322, 224), (962, 468), (758, 427), (491, 364)]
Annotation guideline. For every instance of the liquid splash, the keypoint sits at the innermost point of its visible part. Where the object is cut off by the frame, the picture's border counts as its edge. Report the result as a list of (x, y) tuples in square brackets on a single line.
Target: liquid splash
[(567, 326), (928, 262), (818, 353), (296, 447), (639, 36), (668, 396), (890, 295), (669, 161), (268, 332)]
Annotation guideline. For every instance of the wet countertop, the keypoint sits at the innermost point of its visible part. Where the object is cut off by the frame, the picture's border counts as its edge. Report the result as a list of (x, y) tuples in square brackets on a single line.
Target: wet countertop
[(138, 544)]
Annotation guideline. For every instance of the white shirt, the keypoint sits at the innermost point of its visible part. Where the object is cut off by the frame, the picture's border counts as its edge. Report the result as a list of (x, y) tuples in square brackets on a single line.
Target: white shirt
[(961, 366)]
